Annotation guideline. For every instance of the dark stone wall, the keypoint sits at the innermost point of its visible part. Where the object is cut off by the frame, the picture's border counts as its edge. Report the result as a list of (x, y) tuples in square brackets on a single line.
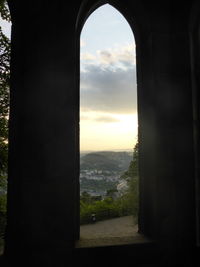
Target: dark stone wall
[(194, 31), (43, 189), (43, 130), (166, 129)]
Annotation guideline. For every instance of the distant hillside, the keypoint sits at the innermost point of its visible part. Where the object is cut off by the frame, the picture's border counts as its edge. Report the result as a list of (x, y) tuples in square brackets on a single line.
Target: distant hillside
[(106, 161)]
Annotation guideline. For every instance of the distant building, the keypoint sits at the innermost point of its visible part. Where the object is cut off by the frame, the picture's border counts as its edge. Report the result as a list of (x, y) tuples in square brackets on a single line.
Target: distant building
[(122, 187)]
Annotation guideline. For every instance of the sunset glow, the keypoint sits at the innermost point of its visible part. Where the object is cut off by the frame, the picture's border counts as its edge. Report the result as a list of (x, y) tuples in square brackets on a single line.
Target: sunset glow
[(108, 102)]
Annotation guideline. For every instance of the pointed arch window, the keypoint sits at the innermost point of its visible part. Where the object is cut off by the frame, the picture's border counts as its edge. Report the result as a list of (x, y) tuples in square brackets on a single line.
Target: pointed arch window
[(108, 122)]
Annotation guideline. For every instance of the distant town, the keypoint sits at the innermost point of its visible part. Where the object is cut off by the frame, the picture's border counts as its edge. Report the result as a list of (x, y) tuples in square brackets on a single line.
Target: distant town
[(102, 171)]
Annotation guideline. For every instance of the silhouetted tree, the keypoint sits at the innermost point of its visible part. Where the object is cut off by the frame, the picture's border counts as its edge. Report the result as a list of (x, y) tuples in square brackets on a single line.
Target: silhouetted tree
[(4, 92), (132, 178), (5, 48)]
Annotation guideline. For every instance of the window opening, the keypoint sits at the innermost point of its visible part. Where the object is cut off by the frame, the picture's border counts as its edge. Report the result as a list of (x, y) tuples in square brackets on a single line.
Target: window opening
[(108, 127)]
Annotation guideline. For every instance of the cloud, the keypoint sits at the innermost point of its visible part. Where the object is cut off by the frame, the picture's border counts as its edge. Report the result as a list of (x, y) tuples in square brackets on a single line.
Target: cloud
[(124, 55), (107, 119), (106, 57), (118, 56), (87, 56), (108, 80), (108, 89), (99, 117)]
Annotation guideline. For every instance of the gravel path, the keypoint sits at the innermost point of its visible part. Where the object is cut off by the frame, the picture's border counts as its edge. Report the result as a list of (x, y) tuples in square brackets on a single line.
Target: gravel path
[(118, 227)]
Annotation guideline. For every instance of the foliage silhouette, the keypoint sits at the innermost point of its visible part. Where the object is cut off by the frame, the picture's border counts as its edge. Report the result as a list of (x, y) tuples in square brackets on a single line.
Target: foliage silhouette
[(5, 48)]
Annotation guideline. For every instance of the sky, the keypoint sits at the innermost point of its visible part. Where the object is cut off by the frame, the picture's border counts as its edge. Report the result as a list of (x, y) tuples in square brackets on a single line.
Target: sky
[(108, 109), (108, 94), (6, 27)]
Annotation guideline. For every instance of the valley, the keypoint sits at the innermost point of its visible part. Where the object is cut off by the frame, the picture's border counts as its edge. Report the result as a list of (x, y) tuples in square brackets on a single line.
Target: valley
[(101, 171)]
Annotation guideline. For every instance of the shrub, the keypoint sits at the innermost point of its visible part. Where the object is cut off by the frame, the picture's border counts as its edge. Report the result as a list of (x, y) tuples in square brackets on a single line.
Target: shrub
[(105, 209)]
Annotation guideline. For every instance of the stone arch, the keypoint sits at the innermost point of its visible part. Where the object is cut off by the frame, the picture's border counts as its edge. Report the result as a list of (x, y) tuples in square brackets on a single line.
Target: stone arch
[(166, 131), (89, 6), (86, 10)]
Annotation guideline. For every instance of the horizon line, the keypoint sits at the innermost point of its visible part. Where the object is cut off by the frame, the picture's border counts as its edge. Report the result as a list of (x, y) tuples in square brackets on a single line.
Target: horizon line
[(115, 149)]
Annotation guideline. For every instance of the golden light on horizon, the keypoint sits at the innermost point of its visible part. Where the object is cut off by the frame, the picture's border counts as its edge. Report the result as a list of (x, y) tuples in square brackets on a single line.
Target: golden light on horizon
[(107, 131)]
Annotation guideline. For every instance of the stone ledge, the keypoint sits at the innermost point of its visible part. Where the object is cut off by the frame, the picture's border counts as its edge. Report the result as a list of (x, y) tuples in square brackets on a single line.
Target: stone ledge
[(112, 241)]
